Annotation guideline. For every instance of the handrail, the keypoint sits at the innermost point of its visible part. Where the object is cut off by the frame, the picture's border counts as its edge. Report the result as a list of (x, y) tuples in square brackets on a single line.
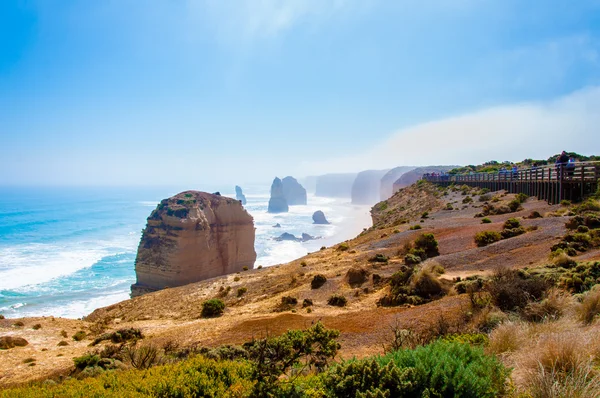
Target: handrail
[(589, 170)]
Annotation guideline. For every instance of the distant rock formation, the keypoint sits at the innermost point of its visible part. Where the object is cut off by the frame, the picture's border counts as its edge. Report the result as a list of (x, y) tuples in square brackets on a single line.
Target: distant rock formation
[(190, 237), (410, 177), (319, 217), (277, 225), (277, 203), (366, 187), (335, 185), (294, 193), (239, 195), (310, 183), (387, 181), (290, 237)]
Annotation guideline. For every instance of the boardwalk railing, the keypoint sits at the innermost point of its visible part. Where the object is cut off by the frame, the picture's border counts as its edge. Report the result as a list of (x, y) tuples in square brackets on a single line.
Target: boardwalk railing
[(551, 183)]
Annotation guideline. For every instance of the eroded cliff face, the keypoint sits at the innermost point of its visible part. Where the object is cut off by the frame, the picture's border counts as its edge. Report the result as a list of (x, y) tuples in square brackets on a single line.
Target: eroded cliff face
[(190, 237), (366, 187), (386, 189), (412, 176)]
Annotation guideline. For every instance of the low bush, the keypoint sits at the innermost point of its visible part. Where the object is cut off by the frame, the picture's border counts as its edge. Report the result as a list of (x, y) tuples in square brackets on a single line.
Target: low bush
[(289, 300), (535, 214), (120, 336), (485, 198), (341, 247), (467, 199), (212, 308), (241, 291), (80, 335), (511, 223), (486, 221), (485, 238), (426, 285), (428, 244), (379, 258), (411, 259), (415, 227), (521, 197), (337, 300), (443, 369), (318, 281), (552, 307), (512, 290), (511, 233), (307, 303)]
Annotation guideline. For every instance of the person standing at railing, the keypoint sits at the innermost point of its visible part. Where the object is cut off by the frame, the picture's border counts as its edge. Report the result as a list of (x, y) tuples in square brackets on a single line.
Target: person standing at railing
[(561, 162), (515, 171), (570, 167)]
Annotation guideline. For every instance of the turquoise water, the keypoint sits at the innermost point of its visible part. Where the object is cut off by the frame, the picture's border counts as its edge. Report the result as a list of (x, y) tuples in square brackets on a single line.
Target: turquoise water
[(67, 251)]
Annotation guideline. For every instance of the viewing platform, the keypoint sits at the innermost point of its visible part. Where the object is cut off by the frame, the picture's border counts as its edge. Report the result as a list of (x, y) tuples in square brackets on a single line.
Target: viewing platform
[(551, 182)]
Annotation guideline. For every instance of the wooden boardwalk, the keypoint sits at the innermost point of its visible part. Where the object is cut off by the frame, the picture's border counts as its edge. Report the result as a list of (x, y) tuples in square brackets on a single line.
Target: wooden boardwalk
[(550, 183)]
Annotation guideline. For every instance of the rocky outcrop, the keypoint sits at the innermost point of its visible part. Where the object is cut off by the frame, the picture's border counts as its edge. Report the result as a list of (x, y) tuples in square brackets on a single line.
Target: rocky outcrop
[(190, 237), (239, 195), (319, 217), (387, 181), (290, 237), (294, 193), (277, 202), (410, 177), (366, 186), (335, 185)]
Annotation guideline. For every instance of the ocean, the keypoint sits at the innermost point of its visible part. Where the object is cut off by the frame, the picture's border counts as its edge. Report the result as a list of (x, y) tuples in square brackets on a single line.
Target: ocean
[(67, 251)]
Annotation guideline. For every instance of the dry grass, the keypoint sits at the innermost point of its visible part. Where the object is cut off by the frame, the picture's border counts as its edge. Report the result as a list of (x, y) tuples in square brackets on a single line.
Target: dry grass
[(553, 306), (550, 359), (590, 306), (508, 337)]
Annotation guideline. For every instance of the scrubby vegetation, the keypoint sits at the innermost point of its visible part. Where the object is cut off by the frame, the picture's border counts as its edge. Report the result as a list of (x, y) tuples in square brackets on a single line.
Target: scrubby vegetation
[(212, 308)]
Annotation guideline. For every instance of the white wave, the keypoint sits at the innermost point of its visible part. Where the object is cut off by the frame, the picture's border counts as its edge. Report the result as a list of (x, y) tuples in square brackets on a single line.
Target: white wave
[(36, 263)]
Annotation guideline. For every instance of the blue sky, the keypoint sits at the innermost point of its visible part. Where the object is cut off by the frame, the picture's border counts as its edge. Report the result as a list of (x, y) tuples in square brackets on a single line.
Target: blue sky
[(185, 92)]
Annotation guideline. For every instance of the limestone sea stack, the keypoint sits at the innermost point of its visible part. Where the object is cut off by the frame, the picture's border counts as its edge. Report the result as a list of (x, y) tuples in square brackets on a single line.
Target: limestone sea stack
[(190, 237), (319, 218), (294, 193), (277, 202), (239, 195)]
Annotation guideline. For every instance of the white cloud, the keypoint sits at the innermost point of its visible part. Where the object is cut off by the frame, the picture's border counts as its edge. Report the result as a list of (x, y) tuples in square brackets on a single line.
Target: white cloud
[(511, 132), (252, 19)]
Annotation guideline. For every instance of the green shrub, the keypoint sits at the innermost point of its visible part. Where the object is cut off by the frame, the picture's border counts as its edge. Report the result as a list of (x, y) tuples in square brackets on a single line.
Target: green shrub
[(485, 238), (212, 308), (120, 336), (467, 199), (449, 206), (289, 300), (428, 244), (342, 247), (485, 198), (415, 227), (535, 214), (565, 203), (379, 258), (318, 281), (86, 360), (521, 197), (241, 291), (426, 285), (511, 223), (425, 214), (440, 369), (80, 335), (307, 303), (411, 259), (337, 300), (510, 233), (514, 205), (486, 221), (581, 278)]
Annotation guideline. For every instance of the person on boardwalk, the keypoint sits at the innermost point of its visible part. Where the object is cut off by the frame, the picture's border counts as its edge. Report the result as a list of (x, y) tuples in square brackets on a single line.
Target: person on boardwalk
[(561, 162), (570, 167)]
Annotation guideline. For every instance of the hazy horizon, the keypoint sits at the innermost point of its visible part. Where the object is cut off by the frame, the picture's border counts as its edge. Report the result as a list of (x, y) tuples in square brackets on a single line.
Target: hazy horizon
[(165, 93)]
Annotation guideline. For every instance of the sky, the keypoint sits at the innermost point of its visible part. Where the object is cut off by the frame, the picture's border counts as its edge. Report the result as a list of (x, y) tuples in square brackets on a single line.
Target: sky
[(159, 92)]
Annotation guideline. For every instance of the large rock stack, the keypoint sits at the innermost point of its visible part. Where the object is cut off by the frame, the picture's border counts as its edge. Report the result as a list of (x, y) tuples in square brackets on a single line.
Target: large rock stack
[(190, 237)]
